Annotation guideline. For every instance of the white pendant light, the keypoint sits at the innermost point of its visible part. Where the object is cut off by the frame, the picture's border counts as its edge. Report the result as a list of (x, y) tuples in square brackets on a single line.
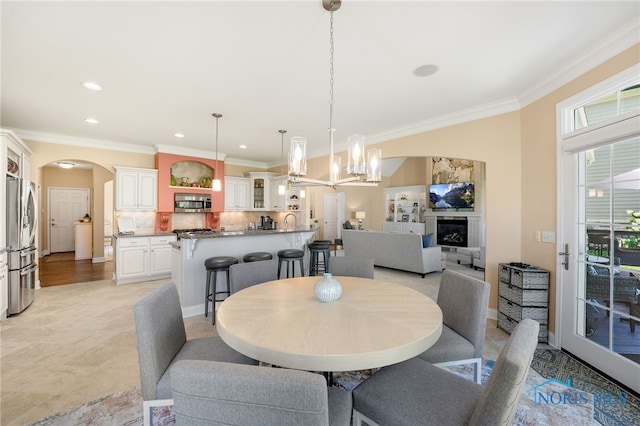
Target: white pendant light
[(363, 167), (216, 184), (282, 189)]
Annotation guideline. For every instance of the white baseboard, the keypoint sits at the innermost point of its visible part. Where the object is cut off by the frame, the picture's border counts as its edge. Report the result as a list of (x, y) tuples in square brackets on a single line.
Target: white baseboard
[(492, 314), (44, 253), (192, 311), (98, 260)]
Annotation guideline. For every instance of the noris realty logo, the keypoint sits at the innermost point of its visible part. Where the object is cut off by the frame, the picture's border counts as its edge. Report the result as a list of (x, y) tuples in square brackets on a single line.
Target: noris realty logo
[(571, 396)]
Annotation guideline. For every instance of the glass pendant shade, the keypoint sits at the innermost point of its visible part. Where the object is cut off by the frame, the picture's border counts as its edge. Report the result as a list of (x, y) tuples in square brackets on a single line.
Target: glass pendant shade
[(356, 155), (336, 163), (216, 185), (374, 160), (298, 156)]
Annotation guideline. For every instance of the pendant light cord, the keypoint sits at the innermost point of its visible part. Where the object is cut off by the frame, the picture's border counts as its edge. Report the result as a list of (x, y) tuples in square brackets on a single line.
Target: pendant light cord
[(282, 132), (331, 82), (217, 117)]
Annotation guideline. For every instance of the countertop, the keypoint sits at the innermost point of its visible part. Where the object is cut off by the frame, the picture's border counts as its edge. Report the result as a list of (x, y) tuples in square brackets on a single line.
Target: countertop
[(221, 234), (152, 234)]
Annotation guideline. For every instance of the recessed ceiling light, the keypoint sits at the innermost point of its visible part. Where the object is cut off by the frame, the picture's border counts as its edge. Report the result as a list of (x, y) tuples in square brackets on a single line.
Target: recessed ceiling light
[(92, 86), (178, 135), (91, 120), (425, 70), (242, 147)]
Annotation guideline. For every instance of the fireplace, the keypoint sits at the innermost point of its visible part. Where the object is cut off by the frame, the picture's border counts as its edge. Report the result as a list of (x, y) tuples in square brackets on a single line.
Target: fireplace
[(452, 232)]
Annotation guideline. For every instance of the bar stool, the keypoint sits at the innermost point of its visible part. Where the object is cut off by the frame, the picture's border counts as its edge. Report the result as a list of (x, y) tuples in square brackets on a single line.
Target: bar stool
[(337, 242), (316, 248), (214, 265), (289, 256), (257, 256)]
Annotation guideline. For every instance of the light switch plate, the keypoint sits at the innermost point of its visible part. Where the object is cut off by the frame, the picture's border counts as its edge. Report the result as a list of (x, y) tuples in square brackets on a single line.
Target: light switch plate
[(548, 237)]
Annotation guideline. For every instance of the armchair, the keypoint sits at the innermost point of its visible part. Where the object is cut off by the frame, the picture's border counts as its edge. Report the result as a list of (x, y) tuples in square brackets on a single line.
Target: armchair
[(625, 291), (162, 341), (206, 392), (464, 302), (415, 392)]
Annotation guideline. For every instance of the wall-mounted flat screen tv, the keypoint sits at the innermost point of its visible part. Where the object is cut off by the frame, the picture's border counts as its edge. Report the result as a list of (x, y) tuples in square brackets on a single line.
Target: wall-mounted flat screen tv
[(459, 195)]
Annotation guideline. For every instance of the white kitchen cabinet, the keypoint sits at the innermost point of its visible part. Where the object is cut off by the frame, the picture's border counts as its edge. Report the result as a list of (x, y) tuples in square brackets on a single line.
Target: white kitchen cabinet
[(136, 189), (15, 158), (276, 200), (4, 285), (260, 187), (236, 193), (143, 258), (160, 255), (289, 201)]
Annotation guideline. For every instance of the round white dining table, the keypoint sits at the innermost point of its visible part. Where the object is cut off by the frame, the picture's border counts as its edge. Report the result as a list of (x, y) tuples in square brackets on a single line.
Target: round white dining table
[(373, 324)]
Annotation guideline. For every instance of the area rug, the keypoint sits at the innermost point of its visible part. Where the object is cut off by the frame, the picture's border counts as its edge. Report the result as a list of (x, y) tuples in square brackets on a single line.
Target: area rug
[(613, 406), (125, 408)]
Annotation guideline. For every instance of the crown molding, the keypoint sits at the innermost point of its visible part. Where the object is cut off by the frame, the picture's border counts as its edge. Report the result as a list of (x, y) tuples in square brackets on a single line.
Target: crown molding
[(192, 152), (469, 114), (248, 163), (625, 37), (43, 137)]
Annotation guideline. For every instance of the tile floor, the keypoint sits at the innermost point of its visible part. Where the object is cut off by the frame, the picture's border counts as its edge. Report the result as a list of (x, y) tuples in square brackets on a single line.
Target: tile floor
[(77, 343)]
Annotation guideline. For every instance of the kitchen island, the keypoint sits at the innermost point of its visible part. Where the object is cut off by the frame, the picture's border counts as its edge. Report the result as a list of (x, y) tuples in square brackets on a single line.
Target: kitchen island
[(189, 253)]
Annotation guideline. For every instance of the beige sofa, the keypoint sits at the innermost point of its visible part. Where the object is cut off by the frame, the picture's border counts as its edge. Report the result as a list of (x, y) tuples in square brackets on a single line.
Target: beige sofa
[(394, 250)]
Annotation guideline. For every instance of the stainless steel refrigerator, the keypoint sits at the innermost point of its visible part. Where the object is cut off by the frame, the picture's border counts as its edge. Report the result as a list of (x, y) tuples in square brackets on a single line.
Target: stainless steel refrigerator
[(21, 232)]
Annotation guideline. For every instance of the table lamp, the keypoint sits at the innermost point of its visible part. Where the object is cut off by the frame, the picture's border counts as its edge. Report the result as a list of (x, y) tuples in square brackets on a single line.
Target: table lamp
[(360, 215)]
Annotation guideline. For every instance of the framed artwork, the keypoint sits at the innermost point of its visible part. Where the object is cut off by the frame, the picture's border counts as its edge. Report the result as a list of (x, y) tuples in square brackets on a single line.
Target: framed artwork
[(405, 218), (451, 170)]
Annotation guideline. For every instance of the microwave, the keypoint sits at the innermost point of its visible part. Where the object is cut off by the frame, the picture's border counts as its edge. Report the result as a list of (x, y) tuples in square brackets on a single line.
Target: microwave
[(192, 203)]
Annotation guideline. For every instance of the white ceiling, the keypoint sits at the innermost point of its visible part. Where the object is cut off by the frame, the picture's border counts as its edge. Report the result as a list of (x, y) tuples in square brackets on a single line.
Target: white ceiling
[(166, 66)]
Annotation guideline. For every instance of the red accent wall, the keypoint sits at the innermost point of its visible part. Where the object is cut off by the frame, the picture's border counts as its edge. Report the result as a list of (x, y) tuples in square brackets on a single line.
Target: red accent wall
[(165, 192)]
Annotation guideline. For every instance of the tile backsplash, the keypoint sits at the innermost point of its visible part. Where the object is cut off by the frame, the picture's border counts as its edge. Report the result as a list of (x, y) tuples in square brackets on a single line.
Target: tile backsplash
[(144, 221), (231, 221)]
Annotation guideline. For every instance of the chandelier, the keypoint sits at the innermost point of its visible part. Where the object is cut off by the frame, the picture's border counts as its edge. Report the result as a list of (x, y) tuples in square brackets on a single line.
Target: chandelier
[(363, 166)]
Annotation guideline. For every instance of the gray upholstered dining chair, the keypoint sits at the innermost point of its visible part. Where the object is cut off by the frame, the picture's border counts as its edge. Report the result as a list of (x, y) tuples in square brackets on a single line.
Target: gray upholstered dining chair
[(246, 274), (351, 266), (415, 392), (162, 341), (464, 301), (218, 393)]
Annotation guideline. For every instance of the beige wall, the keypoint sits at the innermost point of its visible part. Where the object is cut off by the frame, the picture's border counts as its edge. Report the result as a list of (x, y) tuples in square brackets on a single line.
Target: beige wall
[(539, 164), (103, 160), (496, 142), (55, 177)]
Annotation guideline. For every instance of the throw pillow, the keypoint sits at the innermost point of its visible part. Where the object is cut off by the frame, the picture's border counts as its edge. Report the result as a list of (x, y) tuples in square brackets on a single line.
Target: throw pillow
[(426, 240)]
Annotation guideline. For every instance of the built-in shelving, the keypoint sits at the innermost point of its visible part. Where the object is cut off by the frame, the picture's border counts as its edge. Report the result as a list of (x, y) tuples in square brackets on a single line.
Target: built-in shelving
[(406, 204)]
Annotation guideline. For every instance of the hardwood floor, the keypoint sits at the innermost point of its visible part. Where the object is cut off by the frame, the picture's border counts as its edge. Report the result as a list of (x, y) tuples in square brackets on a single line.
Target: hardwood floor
[(61, 268)]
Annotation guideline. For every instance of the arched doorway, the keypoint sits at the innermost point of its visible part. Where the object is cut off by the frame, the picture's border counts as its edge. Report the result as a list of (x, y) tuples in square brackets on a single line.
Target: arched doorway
[(67, 195)]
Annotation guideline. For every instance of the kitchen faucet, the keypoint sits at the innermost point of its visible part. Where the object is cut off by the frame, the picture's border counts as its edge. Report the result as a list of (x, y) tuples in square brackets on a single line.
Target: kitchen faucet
[(295, 220)]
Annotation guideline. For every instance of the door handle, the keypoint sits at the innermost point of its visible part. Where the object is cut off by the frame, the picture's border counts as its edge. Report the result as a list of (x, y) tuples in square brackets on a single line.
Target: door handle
[(566, 255)]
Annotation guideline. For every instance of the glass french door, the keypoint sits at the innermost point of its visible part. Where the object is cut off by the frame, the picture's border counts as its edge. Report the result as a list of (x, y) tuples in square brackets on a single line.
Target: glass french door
[(599, 217)]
